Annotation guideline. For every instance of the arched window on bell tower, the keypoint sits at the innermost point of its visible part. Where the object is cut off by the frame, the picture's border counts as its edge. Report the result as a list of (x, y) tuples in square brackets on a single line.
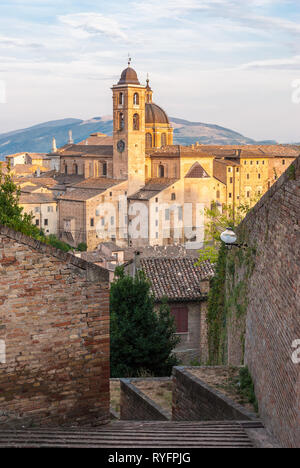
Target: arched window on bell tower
[(75, 169), (136, 99), (121, 99), (121, 121), (161, 171), (136, 122), (163, 139), (148, 140)]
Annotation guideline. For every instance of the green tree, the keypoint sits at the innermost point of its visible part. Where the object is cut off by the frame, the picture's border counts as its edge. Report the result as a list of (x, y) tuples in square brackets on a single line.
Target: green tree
[(217, 221), (11, 213), (141, 339)]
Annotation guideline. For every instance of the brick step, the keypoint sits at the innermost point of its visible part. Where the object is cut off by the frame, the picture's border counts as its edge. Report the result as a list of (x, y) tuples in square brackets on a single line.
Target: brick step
[(169, 434)]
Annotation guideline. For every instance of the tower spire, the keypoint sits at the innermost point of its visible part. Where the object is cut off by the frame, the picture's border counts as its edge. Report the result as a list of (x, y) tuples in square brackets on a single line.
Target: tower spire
[(129, 59), (54, 148)]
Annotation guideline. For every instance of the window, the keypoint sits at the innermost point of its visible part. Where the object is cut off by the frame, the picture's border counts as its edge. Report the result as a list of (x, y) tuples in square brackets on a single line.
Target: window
[(110, 194), (136, 122), (229, 169), (245, 162), (156, 222), (180, 214), (248, 176), (230, 195), (66, 169), (173, 196), (136, 99), (248, 194), (251, 162), (161, 171), (121, 99), (45, 222), (257, 162), (180, 313), (218, 193), (163, 139), (50, 209), (75, 169), (263, 162), (156, 200), (148, 140), (258, 175), (92, 222), (37, 209), (283, 162), (104, 169), (231, 180), (121, 121), (37, 222), (112, 220), (167, 214), (237, 169), (102, 221)]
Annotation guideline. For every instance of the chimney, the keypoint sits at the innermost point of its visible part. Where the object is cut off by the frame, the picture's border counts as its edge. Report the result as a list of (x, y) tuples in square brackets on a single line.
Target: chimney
[(54, 148), (136, 262), (70, 141)]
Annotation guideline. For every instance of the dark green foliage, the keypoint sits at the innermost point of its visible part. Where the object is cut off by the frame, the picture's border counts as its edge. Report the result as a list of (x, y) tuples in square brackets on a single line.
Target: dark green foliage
[(52, 240), (216, 314), (141, 340), (11, 214), (82, 247), (246, 387)]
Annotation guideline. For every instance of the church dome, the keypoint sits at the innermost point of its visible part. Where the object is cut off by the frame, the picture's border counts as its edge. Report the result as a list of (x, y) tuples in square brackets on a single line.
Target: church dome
[(129, 76), (155, 114)]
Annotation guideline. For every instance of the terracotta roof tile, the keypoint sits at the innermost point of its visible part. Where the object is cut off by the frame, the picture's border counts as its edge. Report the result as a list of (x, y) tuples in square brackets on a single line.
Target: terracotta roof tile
[(178, 279)]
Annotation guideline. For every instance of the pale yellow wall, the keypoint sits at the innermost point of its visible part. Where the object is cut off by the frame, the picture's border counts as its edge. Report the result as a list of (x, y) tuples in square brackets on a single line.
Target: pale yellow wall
[(46, 211)]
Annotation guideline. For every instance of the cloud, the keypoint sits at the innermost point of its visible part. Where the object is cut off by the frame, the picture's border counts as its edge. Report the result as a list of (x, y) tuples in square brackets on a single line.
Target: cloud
[(292, 63), (7, 41), (94, 24)]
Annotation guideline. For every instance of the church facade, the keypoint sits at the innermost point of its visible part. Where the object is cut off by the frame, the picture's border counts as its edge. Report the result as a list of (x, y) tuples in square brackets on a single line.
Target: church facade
[(137, 188)]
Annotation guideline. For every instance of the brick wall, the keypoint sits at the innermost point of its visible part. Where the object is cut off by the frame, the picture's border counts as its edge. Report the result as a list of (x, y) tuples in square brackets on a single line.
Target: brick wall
[(136, 406), (273, 310), (193, 400), (55, 322)]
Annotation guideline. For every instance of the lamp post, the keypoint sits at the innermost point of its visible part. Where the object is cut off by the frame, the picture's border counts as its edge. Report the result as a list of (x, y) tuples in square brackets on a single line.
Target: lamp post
[(229, 238)]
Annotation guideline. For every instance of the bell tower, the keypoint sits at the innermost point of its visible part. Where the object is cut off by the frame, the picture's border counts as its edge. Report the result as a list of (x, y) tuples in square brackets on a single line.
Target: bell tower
[(129, 130)]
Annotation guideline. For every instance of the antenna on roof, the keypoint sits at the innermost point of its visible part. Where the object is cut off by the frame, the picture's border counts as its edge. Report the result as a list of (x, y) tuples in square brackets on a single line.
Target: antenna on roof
[(129, 59)]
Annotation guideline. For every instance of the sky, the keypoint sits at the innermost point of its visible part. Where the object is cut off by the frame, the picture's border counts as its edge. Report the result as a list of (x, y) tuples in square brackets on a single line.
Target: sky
[(234, 63)]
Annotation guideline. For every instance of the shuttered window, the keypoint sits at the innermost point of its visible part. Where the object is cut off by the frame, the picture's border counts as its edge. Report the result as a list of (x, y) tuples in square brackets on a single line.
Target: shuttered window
[(181, 318)]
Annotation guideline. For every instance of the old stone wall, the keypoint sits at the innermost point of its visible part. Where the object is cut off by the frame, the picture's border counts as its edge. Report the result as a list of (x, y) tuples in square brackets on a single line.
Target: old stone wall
[(272, 305), (54, 320), (136, 406), (193, 400)]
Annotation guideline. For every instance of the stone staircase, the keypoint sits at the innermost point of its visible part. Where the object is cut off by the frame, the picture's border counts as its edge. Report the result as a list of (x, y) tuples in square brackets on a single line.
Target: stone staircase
[(137, 434)]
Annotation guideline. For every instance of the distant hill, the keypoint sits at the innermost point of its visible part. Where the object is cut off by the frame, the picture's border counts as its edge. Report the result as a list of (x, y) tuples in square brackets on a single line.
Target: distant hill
[(38, 139)]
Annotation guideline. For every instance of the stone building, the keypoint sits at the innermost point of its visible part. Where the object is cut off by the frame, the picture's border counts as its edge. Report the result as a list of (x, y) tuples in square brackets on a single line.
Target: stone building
[(55, 328), (186, 287), (42, 205), (166, 187)]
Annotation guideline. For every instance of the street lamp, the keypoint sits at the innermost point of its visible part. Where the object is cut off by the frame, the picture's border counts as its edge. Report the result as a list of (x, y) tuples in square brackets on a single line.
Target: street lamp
[(229, 238)]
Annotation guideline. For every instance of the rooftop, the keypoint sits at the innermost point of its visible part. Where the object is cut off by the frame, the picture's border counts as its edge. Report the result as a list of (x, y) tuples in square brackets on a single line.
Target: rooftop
[(152, 188), (178, 279)]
